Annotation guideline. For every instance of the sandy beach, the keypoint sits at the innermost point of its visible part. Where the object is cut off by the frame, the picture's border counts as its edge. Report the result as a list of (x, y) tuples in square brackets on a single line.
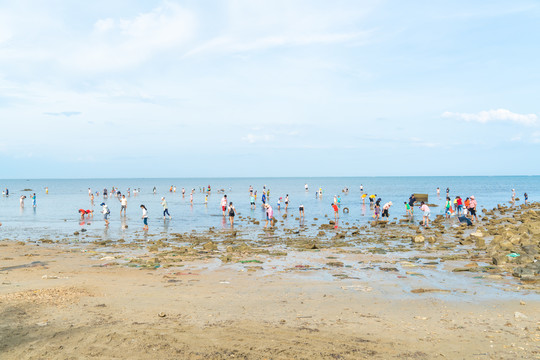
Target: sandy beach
[(217, 300)]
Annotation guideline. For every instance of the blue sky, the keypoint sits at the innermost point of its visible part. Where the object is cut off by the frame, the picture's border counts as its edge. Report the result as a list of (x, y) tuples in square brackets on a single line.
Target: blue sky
[(269, 88)]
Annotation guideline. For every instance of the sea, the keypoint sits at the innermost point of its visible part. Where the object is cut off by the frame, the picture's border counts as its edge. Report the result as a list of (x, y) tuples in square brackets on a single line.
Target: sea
[(56, 215)]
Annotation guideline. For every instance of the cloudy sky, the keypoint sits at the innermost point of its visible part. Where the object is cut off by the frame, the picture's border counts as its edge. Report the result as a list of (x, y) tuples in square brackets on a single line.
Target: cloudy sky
[(269, 88)]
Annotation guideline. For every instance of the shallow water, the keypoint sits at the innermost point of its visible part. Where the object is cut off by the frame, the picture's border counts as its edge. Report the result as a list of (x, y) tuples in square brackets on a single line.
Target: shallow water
[(56, 213)]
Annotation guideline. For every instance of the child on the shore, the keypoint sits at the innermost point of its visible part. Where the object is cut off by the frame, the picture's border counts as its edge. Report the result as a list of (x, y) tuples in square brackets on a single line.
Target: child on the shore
[(279, 204), (144, 217), (376, 212), (426, 213), (336, 211), (269, 215), (252, 201), (106, 212), (301, 210), (407, 208), (448, 208)]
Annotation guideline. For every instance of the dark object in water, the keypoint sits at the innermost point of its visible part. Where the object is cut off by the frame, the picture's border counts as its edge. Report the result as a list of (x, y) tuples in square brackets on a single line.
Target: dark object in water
[(421, 197), (464, 219)]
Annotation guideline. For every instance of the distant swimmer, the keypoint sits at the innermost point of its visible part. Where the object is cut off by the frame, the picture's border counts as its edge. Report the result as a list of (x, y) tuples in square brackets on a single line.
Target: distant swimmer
[(361, 188), (438, 192), (286, 202), (21, 200), (306, 187), (526, 198), (34, 204)]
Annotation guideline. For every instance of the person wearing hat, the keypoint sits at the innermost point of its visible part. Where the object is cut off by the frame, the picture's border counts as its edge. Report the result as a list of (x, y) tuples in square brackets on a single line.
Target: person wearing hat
[(269, 215), (472, 208), (106, 212), (386, 207)]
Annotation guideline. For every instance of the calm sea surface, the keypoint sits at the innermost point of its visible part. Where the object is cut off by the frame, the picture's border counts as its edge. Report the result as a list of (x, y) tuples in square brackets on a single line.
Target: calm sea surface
[(56, 214)]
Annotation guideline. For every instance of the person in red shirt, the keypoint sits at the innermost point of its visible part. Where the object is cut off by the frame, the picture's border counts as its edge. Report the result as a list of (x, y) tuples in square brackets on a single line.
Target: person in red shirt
[(459, 204), (336, 211)]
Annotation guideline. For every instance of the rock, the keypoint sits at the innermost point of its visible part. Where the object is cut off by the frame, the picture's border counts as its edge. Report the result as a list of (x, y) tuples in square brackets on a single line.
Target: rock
[(419, 239), (519, 316), (499, 259), (530, 249), (480, 243), (335, 263), (209, 246), (506, 245), (76, 233), (477, 234), (431, 239)]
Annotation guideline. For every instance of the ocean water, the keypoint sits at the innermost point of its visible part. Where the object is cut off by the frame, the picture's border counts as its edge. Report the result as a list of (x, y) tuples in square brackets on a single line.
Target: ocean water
[(56, 214)]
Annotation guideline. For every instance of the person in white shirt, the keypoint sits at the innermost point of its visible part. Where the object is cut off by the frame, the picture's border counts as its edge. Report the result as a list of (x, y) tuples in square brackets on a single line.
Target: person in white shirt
[(165, 208), (123, 203)]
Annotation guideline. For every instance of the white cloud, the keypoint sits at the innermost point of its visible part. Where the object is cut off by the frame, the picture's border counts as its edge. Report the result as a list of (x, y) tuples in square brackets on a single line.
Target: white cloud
[(493, 116), (230, 44), (422, 143), (119, 43), (252, 138)]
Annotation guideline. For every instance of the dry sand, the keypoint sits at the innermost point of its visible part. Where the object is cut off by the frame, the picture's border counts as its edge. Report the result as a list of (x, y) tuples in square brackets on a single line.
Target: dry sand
[(63, 304)]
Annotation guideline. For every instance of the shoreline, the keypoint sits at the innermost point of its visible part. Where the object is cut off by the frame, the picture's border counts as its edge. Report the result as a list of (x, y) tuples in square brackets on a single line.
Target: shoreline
[(219, 295)]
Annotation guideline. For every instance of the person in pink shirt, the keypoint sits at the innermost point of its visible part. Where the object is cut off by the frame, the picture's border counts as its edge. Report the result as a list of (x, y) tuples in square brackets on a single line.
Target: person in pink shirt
[(269, 215), (472, 208), (425, 217)]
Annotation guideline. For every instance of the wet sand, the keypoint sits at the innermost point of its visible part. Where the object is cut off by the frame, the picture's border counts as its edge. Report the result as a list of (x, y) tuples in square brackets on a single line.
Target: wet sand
[(218, 297)]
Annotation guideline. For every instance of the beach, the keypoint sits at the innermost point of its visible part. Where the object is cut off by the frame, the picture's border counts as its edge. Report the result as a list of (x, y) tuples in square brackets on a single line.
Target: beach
[(216, 295)]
